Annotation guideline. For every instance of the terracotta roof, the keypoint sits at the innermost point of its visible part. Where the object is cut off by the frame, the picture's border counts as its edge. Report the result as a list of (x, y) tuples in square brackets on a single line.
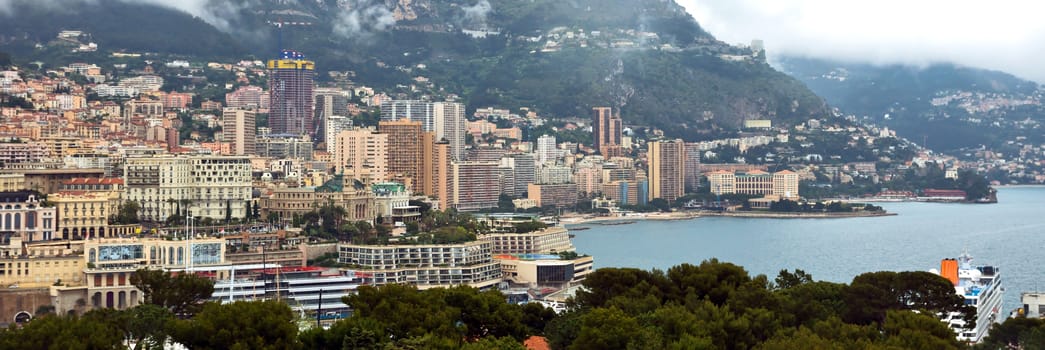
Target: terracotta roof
[(537, 343)]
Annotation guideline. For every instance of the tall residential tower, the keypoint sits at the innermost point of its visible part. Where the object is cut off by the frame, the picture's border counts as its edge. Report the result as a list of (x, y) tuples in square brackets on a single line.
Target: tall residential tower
[(607, 132), (445, 119), (238, 130), (291, 81), (667, 165)]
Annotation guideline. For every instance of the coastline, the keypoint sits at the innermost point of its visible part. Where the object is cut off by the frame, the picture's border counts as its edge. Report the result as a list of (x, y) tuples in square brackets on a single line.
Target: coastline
[(610, 220), (688, 215), (772, 215)]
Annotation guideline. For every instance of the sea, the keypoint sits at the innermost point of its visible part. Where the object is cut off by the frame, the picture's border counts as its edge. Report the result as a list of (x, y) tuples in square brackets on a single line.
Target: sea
[(1009, 235)]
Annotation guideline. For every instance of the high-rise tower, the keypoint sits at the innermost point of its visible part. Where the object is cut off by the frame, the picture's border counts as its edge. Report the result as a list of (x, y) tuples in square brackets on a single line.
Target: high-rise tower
[(445, 119), (667, 165), (238, 130), (291, 81), (405, 151), (606, 132)]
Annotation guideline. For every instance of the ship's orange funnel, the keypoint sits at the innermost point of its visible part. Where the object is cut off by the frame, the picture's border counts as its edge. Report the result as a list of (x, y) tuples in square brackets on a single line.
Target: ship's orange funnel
[(949, 270)]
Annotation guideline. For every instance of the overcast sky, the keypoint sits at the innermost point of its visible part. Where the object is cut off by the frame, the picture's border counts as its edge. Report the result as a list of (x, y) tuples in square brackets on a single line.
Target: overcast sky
[(1006, 35)]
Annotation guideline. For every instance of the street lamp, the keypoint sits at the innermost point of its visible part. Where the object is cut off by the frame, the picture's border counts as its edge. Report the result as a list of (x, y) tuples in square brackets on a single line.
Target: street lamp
[(264, 274), (188, 242)]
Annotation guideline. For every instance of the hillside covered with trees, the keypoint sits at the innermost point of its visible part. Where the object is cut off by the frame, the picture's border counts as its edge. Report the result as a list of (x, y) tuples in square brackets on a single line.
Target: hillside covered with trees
[(648, 58), (950, 107)]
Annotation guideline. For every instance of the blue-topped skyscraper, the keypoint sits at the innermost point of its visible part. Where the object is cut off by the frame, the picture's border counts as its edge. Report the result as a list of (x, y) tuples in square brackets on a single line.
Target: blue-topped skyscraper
[(291, 81)]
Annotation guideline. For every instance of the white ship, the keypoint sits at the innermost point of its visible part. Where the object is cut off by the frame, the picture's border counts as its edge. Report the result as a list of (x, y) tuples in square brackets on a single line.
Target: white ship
[(981, 287)]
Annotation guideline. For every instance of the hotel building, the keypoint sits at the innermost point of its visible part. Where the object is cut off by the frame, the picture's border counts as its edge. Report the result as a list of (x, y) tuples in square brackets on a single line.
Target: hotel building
[(205, 185), (425, 265), (755, 182)]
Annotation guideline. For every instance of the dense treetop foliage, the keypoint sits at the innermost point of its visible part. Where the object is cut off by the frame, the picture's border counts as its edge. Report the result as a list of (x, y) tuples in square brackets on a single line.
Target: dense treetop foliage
[(713, 305)]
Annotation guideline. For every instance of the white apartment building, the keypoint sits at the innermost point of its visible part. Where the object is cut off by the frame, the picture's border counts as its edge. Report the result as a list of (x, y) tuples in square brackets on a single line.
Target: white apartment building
[(546, 151), (238, 129), (548, 241), (554, 174), (425, 265), (361, 150), (205, 185), (335, 124)]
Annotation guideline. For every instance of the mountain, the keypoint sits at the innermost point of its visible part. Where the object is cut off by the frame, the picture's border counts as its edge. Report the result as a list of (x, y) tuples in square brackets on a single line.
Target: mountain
[(648, 58), (115, 25), (947, 106)]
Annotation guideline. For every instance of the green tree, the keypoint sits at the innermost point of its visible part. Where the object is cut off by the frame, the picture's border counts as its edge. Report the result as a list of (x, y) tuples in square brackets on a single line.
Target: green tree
[(661, 204), (908, 330), (974, 185), (872, 294), (228, 211), (147, 325), (127, 214), (1016, 333), (403, 311), (240, 325), (610, 329), (352, 333), (183, 294), (92, 331), (436, 316), (564, 329), (531, 226), (786, 279)]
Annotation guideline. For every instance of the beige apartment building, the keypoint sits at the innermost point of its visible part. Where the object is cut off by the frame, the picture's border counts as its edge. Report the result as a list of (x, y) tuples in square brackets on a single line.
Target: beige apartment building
[(361, 148), (405, 151), (238, 130), (43, 264), (204, 185), (559, 195), (12, 182), (82, 214), (476, 185), (437, 164), (667, 166)]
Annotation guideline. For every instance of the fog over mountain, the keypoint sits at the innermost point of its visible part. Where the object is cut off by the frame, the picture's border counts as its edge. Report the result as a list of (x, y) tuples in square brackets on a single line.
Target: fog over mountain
[(216, 12), (1004, 35)]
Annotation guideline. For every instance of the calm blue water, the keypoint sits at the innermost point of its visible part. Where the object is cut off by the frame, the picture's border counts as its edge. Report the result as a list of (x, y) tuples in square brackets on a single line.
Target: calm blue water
[(1010, 235)]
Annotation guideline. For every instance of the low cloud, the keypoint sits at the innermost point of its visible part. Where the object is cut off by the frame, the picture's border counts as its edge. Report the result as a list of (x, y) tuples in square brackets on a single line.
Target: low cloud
[(475, 15), (224, 15), (1004, 35), (361, 19)]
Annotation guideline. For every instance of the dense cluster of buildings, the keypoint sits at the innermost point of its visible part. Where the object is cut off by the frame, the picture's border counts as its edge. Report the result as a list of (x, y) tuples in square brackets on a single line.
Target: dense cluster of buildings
[(100, 179)]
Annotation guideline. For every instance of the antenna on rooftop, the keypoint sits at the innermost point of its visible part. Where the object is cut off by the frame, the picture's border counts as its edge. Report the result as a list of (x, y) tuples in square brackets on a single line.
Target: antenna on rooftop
[(279, 23)]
